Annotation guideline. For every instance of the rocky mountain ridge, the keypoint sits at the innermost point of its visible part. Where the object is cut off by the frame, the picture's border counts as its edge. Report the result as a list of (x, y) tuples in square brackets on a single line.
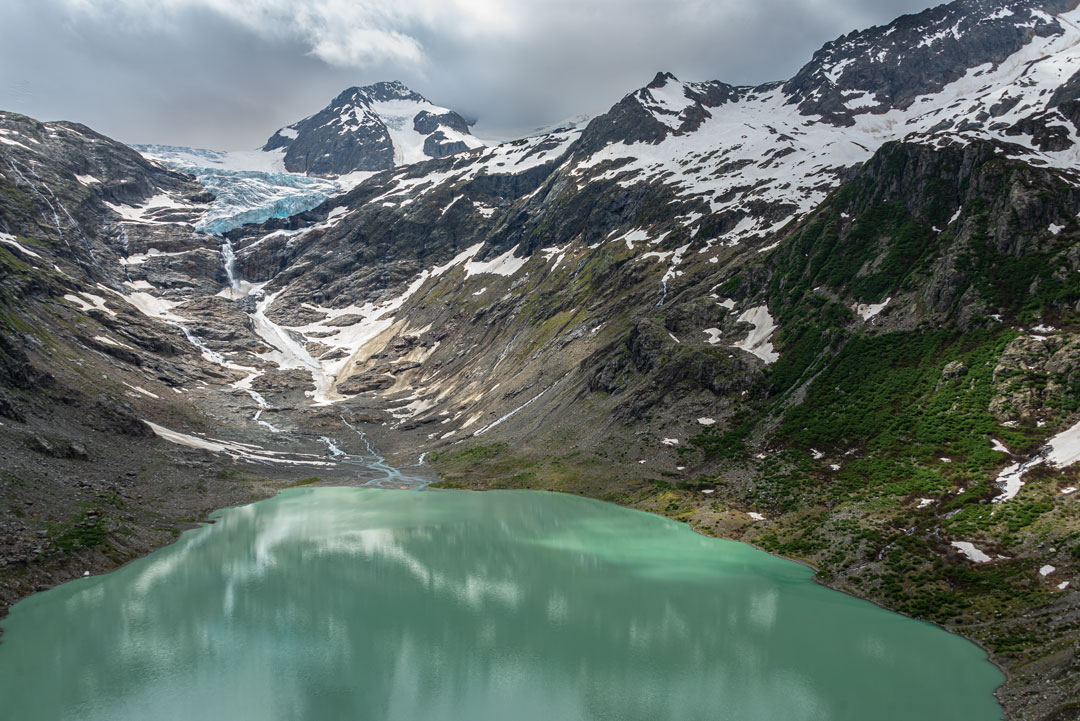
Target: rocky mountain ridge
[(845, 334)]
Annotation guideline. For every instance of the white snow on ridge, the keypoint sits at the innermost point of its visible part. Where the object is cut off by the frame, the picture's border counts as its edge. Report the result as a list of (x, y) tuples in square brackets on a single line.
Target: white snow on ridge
[(759, 148), (509, 158), (398, 115), (520, 155), (666, 103)]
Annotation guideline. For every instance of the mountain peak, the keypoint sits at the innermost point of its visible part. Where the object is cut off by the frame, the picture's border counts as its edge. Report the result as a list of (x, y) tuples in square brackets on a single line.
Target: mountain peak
[(661, 80), (372, 128), (384, 91), (888, 66)]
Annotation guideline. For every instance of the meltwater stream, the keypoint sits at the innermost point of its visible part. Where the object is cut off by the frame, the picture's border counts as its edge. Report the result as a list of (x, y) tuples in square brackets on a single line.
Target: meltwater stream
[(335, 603)]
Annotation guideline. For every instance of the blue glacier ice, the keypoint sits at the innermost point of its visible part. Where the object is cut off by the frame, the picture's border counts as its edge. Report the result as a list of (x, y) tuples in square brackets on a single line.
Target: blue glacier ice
[(243, 195), (250, 196)]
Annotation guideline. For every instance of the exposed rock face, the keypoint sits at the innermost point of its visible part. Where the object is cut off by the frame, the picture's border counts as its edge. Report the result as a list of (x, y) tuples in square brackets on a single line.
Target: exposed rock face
[(370, 129), (1033, 377), (365, 382)]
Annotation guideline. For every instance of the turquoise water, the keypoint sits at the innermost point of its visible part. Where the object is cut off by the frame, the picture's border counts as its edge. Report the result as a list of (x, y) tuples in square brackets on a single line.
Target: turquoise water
[(345, 603)]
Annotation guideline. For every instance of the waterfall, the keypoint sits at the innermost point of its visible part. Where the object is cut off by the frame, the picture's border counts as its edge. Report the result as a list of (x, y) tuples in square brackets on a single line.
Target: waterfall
[(228, 257)]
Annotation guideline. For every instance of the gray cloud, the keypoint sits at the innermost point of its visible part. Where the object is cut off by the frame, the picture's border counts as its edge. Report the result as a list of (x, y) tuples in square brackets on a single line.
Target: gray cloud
[(226, 73)]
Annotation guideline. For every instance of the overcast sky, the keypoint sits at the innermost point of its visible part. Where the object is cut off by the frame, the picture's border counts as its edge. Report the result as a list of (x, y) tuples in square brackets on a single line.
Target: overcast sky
[(225, 74)]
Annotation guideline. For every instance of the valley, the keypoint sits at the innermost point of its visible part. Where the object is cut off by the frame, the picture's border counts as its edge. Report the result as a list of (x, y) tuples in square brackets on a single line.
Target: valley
[(836, 318)]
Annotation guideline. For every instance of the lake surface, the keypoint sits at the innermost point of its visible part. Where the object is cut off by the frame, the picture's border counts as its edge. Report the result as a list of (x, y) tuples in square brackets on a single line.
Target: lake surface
[(346, 603)]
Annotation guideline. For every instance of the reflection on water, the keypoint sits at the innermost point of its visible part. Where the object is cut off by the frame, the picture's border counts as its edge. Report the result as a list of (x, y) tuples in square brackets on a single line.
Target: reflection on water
[(330, 603)]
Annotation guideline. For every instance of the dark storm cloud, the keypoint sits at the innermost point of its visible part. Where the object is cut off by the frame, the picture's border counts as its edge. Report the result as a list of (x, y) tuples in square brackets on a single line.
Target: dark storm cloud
[(226, 73)]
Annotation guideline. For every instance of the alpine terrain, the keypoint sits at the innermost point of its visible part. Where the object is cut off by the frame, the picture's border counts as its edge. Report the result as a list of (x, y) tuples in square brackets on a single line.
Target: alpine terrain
[(836, 317)]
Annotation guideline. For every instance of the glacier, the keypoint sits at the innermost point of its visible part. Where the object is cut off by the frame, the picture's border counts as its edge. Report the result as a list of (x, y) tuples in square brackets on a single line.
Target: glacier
[(249, 186)]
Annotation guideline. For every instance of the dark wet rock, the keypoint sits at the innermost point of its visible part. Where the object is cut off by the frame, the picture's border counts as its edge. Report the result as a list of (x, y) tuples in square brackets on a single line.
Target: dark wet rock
[(364, 383)]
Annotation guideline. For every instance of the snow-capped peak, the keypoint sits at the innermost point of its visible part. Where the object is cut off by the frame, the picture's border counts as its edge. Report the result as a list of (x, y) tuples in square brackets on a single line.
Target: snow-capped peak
[(887, 67), (372, 128)]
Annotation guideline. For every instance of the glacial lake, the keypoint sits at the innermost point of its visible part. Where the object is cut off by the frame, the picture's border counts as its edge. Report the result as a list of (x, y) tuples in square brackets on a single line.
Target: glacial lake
[(386, 605)]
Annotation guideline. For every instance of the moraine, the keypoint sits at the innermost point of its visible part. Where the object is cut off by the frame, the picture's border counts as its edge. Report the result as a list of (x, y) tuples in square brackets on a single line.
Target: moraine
[(394, 604)]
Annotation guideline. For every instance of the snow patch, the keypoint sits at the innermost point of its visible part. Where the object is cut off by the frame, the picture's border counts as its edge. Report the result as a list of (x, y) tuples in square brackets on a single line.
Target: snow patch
[(714, 335), (143, 391), (757, 342), (1061, 451), (139, 213), (505, 265), (869, 310), (109, 341), (7, 239), (972, 553), (634, 236), (238, 451), (514, 412), (95, 302)]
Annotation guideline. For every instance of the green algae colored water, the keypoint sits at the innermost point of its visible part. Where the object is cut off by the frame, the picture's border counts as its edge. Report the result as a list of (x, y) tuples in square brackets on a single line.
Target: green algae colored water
[(344, 603)]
